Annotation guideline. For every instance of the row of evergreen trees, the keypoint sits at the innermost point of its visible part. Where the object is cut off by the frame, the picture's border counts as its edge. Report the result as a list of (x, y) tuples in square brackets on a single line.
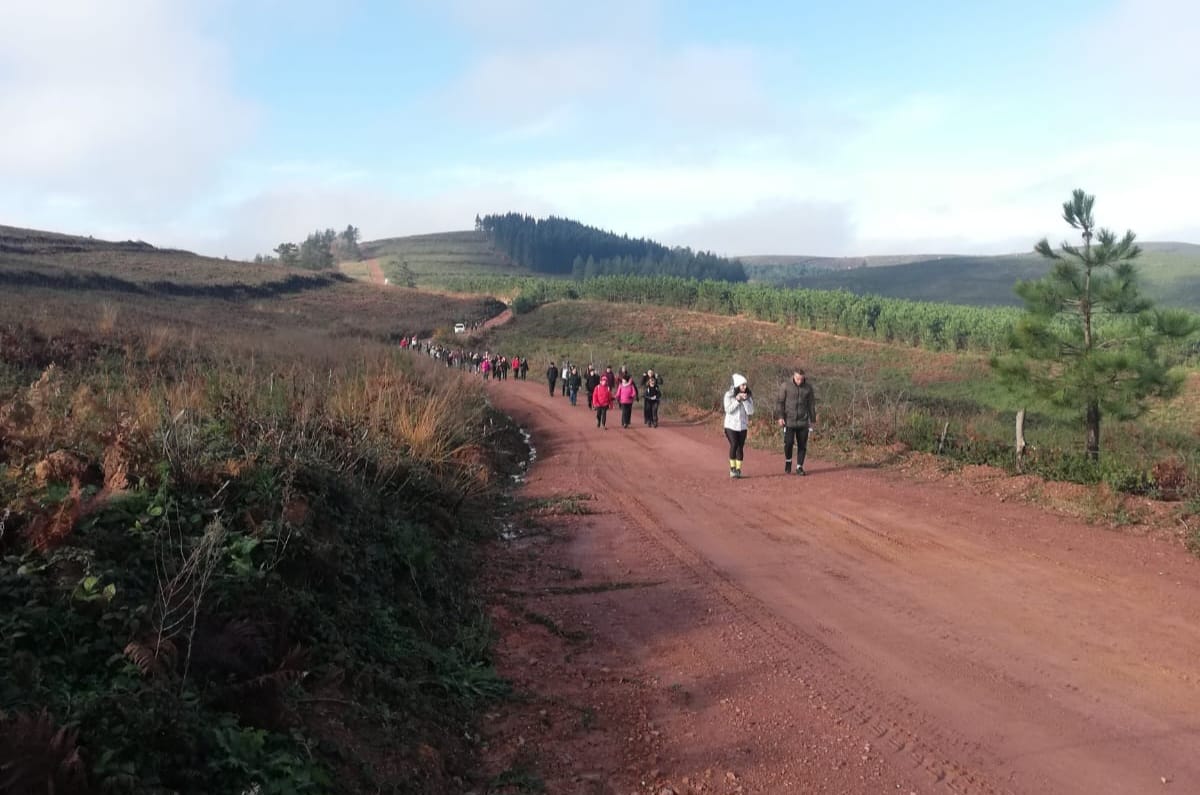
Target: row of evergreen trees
[(321, 250), (564, 247)]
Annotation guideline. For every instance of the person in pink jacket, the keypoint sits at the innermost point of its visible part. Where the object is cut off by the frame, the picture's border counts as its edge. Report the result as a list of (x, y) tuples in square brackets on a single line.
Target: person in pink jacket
[(627, 394), (602, 398)]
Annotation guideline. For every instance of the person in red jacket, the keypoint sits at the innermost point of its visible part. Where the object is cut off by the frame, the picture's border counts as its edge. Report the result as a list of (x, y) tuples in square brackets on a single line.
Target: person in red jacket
[(602, 398), (627, 393)]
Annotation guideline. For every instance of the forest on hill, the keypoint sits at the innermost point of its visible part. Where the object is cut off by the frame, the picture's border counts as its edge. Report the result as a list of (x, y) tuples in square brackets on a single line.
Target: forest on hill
[(562, 247)]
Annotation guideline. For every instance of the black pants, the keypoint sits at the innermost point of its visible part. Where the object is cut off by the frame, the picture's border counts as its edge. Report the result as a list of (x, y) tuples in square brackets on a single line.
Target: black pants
[(798, 435), (601, 416), (737, 444), (626, 413), (650, 412), (552, 389)]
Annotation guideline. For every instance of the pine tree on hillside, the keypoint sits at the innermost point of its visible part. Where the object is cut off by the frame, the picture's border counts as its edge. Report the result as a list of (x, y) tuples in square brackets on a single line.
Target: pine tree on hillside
[(1089, 340)]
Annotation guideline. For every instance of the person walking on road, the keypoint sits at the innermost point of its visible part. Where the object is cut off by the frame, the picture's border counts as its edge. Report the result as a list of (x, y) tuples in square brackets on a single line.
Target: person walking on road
[(796, 413), (602, 398), (651, 396), (574, 382), (591, 380), (627, 394), (739, 405), (552, 377)]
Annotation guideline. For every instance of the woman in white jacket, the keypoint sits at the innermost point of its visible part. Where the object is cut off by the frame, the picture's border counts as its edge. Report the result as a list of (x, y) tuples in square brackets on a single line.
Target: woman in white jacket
[(739, 405)]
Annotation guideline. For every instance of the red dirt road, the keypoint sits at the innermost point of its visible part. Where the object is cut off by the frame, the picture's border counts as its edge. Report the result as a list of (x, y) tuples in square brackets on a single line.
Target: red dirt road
[(844, 632)]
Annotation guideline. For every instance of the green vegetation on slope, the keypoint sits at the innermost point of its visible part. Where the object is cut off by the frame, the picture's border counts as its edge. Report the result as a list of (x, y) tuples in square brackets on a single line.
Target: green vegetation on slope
[(1170, 274), (439, 255)]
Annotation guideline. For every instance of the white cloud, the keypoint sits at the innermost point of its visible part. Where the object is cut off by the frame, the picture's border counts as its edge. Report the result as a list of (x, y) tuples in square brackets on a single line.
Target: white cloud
[(777, 226), (604, 71), (521, 24), (121, 107), (289, 212), (1144, 53)]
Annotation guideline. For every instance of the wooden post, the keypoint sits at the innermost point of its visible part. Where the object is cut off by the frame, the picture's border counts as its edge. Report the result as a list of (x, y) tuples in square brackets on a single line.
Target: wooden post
[(942, 441), (1020, 438)]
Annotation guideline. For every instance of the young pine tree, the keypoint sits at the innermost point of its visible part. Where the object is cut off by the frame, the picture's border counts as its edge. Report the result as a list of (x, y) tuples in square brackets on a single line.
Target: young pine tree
[(1089, 340)]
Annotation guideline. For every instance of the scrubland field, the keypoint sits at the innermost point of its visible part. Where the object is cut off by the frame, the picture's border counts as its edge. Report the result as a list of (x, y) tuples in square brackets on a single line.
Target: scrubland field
[(237, 535)]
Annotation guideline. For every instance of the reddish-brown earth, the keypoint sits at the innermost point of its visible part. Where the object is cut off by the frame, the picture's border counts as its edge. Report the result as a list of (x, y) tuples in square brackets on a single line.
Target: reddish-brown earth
[(846, 632)]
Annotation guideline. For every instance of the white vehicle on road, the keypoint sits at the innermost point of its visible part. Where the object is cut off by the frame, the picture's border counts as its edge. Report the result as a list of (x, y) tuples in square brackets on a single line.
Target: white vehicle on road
[(460, 328)]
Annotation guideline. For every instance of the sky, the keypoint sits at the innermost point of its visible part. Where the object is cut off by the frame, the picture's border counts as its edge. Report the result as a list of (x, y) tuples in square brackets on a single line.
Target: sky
[(835, 129)]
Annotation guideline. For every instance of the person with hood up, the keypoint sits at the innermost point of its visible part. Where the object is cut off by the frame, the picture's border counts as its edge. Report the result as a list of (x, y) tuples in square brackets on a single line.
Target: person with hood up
[(739, 405), (627, 394), (602, 398)]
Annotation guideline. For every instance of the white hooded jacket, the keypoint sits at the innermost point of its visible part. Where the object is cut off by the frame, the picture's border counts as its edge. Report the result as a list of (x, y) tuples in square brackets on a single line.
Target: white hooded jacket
[(737, 412)]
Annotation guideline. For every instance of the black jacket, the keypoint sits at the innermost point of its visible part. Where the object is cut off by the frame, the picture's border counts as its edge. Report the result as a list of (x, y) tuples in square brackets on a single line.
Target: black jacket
[(797, 405), (552, 374)]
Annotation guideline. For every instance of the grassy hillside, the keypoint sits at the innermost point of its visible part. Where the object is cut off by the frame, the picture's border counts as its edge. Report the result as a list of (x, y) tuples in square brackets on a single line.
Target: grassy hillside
[(434, 256), (1170, 273), (238, 532), (34, 258)]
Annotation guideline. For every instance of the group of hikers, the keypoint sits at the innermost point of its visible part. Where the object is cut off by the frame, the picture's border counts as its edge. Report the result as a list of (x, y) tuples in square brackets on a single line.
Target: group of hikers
[(795, 405), (608, 389)]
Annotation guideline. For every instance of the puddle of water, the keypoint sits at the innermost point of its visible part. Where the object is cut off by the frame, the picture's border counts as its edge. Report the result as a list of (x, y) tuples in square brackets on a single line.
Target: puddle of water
[(519, 477)]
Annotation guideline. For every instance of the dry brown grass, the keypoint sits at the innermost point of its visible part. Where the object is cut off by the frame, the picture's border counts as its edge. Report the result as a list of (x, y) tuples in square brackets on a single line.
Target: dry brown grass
[(294, 380), (107, 322)]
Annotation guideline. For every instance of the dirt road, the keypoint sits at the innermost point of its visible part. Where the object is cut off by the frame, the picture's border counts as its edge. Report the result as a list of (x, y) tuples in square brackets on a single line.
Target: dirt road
[(848, 631)]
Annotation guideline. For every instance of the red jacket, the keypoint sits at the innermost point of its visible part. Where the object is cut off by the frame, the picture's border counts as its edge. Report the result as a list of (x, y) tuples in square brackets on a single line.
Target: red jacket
[(602, 396)]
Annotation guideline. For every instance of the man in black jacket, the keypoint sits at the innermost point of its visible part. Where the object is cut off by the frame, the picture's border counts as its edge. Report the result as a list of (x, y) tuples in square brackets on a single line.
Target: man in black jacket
[(796, 413), (552, 376), (591, 380)]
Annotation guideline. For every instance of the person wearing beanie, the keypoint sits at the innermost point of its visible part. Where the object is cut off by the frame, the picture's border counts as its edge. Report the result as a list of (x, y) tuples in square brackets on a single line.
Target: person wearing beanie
[(739, 405)]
